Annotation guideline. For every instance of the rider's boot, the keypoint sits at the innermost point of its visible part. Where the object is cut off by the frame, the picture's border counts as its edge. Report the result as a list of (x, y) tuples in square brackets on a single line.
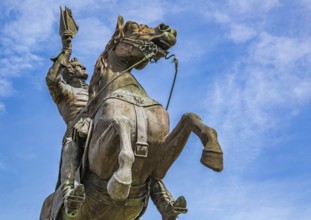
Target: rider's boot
[(73, 195), (164, 201)]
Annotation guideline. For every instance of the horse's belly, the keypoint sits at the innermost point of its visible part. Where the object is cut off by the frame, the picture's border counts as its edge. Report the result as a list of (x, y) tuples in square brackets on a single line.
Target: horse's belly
[(157, 124), (98, 204), (157, 130), (105, 142)]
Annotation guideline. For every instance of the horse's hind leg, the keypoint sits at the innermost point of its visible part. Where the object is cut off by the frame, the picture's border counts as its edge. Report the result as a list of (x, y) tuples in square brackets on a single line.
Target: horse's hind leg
[(176, 140), (120, 183)]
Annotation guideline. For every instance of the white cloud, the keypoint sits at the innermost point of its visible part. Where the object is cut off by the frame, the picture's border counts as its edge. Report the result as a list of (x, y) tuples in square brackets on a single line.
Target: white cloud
[(253, 100), (261, 91), (27, 27), (91, 38), (280, 51), (241, 33), (254, 200), (31, 26), (267, 84), (83, 5), (242, 19), (16, 64), (2, 107), (251, 6), (5, 88), (144, 11), (238, 32), (190, 50), (264, 89)]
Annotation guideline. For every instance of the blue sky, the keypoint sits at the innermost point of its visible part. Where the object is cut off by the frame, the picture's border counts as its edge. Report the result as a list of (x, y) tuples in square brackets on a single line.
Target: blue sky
[(244, 68)]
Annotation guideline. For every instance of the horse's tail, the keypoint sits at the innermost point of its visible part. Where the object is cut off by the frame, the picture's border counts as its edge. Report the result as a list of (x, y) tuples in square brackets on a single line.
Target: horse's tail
[(46, 208)]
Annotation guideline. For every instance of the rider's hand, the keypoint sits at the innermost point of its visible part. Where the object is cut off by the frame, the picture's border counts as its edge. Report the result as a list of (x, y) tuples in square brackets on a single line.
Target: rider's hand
[(66, 40)]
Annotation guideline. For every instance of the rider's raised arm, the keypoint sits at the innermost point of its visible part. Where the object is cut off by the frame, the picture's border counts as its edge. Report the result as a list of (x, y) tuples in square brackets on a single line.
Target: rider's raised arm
[(54, 75), (67, 30)]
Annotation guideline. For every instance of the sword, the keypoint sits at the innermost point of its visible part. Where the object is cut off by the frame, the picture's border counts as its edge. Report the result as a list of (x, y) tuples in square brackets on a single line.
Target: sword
[(67, 24), (68, 28)]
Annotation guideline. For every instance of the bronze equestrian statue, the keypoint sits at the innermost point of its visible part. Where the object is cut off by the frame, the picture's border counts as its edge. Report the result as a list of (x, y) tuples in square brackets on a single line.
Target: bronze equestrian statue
[(117, 147)]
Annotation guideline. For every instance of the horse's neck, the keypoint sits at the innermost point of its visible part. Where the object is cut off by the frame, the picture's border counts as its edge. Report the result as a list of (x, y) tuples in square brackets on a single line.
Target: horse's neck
[(121, 81)]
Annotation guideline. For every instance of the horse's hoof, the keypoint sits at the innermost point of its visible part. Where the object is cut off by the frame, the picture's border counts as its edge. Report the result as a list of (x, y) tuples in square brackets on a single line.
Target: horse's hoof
[(213, 160), (118, 190)]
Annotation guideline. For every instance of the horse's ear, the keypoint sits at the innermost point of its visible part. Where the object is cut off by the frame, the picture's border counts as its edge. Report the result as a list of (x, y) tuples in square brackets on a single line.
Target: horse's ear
[(120, 23), (119, 31)]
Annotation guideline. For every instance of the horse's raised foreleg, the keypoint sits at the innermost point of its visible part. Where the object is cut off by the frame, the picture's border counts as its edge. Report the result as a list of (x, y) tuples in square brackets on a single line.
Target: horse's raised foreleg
[(212, 155), (120, 183)]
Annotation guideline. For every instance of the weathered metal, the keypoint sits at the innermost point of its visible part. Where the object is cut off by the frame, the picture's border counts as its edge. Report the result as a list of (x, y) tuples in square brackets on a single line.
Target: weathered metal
[(128, 147)]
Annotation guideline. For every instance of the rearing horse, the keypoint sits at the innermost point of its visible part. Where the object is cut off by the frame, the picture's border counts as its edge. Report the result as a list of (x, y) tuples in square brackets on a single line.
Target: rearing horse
[(131, 139)]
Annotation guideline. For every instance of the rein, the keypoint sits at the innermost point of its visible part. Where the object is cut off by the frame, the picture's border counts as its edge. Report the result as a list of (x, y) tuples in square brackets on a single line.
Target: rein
[(147, 56), (174, 60), (150, 46), (149, 49)]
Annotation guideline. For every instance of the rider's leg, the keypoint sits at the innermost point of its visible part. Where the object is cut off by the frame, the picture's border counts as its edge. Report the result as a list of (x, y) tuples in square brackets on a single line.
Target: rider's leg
[(73, 196), (164, 201)]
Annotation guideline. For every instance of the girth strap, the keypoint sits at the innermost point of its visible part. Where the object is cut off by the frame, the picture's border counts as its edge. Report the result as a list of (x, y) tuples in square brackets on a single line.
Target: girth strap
[(138, 194), (141, 146)]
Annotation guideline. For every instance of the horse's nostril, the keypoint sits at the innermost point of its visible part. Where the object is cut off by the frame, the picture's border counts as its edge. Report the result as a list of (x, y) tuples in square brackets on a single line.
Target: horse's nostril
[(164, 27), (173, 32)]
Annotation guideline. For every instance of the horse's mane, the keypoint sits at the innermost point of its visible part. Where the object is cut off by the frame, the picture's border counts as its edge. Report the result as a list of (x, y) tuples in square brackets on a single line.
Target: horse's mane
[(100, 67)]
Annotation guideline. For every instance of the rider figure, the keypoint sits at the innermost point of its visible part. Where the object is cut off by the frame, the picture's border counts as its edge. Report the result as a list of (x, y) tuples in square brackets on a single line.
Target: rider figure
[(67, 86)]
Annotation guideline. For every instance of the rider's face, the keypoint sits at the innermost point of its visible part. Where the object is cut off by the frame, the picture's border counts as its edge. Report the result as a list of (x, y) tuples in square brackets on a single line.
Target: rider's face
[(80, 72)]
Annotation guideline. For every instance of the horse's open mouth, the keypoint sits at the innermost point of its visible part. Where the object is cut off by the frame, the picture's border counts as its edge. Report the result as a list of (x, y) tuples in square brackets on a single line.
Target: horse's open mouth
[(161, 44)]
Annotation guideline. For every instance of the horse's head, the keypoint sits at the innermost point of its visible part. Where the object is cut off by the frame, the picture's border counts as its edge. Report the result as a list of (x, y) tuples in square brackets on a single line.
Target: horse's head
[(131, 42), (128, 48)]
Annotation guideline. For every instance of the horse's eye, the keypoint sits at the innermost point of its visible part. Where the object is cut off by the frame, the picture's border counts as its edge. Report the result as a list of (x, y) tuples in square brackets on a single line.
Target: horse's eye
[(163, 27), (134, 26)]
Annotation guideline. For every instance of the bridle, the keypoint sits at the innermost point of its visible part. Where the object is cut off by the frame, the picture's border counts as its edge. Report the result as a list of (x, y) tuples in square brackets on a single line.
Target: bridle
[(147, 47), (150, 49)]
